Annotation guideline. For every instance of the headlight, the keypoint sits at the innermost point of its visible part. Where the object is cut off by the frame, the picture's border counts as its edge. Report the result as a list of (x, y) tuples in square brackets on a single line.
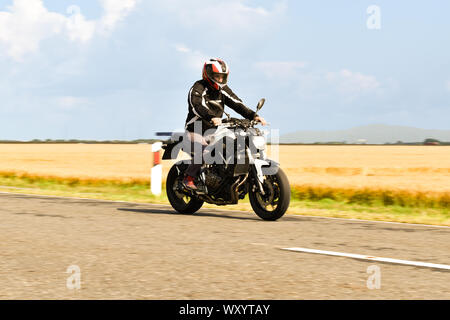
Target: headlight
[(259, 142)]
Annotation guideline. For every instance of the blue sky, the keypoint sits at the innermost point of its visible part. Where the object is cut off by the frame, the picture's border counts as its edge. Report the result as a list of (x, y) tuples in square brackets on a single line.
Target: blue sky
[(121, 69)]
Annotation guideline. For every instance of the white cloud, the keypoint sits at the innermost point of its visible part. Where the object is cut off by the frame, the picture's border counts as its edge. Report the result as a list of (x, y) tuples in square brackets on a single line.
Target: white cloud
[(344, 84), (78, 28), (221, 21), (26, 23), (194, 58), (352, 84), (280, 69), (70, 102), (182, 48), (226, 16), (115, 11)]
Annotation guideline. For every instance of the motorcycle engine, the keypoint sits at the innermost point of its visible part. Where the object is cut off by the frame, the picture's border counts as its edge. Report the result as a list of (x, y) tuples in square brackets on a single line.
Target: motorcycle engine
[(213, 180)]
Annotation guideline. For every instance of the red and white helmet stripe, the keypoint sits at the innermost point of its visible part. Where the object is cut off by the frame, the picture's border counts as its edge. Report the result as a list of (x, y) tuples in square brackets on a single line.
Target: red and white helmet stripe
[(215, 67)]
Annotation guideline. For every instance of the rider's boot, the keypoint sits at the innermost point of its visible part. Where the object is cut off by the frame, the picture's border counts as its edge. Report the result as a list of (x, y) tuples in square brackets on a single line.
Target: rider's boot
[(188, 182)]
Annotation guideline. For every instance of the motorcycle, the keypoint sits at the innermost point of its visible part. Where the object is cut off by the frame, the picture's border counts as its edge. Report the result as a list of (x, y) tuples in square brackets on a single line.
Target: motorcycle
[(246, 170)]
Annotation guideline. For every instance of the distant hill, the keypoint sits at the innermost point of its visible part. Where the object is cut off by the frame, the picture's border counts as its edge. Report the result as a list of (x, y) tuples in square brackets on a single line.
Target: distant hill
[(370, 134)]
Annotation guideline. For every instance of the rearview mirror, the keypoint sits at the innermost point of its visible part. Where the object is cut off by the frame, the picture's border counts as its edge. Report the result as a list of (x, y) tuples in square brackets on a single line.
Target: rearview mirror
[(260, 104)]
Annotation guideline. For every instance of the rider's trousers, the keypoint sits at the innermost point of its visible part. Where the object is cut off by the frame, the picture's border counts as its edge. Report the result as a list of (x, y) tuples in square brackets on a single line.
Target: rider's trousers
[(197, 144)]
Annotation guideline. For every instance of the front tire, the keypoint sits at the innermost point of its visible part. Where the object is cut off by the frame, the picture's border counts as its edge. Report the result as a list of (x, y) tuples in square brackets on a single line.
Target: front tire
[(179, 201), (274, 204)]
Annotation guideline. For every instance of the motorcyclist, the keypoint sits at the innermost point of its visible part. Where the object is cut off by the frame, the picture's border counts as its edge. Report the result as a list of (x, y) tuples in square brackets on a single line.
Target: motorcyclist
[(203, 115)]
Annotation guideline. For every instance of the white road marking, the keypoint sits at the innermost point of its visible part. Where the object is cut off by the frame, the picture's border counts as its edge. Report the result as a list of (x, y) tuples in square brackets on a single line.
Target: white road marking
[(371, 258)]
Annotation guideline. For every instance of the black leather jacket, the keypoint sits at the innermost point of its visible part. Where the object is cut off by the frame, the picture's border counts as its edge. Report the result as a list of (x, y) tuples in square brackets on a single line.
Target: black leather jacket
[(199, 108)]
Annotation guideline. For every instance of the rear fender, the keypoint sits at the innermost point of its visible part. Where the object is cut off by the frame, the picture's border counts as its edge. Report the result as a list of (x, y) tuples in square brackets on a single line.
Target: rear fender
[(173, 146), (181, 167)]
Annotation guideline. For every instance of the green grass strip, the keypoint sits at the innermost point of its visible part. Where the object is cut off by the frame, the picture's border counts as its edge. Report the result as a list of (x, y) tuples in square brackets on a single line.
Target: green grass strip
[(371, 204)]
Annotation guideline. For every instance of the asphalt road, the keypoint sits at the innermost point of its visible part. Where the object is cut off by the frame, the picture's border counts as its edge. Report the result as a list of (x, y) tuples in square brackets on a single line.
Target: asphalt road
[(137, 251)]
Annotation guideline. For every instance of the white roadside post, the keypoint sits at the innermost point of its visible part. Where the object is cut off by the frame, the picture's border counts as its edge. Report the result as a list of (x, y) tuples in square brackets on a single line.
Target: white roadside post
[(156, 174)]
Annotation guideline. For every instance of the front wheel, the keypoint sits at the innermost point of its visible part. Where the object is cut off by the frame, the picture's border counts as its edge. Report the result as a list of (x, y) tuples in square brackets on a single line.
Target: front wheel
[(179, 201), (275, 201)]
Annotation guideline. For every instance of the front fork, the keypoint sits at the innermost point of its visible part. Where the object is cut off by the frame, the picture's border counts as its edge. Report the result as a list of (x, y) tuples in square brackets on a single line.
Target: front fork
[(256, 165)]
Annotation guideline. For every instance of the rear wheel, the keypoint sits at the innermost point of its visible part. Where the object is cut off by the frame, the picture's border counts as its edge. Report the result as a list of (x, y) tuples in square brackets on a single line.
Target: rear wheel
[(179, 201), (275, 201)]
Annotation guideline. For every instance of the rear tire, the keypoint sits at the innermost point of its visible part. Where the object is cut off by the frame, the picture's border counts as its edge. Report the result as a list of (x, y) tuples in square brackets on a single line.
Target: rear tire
[(278, 196), (180, 202)]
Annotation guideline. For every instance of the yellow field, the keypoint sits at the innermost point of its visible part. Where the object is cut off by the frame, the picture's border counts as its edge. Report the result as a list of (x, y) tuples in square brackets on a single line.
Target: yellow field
[(413, 168)]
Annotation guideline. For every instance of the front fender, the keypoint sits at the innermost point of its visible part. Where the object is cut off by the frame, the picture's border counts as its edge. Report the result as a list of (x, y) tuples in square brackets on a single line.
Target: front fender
[(173, 146), (265, 168)]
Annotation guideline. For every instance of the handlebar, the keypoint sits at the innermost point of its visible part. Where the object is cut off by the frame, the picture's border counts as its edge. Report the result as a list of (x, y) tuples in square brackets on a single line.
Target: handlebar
[(240, 122)]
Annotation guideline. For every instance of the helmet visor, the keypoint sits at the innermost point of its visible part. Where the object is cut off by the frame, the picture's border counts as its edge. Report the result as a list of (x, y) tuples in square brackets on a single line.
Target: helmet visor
[(220, 77)]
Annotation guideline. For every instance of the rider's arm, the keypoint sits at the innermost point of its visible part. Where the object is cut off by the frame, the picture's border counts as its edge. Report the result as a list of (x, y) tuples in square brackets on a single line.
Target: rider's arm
[(236, 104), (198, 103)]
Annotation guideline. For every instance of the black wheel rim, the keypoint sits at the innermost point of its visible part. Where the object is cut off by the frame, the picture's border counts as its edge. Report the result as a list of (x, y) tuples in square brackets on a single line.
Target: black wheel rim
[(180, 196), (269, 202)]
